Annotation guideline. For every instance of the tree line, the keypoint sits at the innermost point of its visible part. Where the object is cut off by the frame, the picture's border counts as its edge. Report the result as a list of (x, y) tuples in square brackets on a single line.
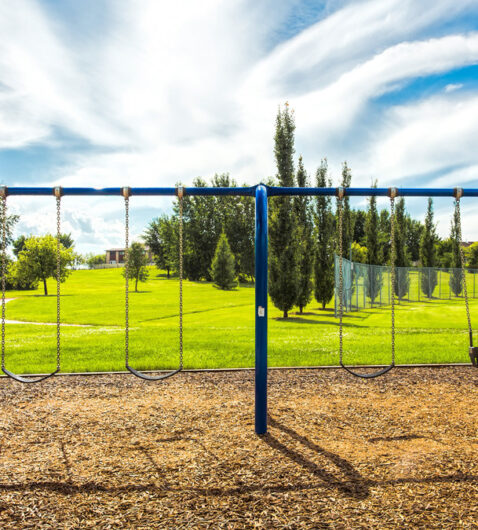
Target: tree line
[(302, 235), (219, 238)]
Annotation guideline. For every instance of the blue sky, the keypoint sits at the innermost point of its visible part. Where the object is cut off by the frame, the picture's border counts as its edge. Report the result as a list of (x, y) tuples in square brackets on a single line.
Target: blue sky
[(148, 92)]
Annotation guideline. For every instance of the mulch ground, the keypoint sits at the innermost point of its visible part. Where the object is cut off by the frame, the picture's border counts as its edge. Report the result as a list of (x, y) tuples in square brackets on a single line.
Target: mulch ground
[(117, 452)]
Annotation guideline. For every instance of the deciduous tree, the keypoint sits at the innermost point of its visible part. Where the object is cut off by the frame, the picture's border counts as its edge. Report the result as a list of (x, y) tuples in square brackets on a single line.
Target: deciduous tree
[(137, 264), (38, 260), (161, 238)]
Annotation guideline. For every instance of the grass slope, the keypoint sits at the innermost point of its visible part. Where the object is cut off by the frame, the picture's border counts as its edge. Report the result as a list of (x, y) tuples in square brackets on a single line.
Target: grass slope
[(218, 328)]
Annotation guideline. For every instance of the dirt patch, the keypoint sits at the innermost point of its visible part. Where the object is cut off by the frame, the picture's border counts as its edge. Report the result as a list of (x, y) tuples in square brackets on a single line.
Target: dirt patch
[(116, 452)]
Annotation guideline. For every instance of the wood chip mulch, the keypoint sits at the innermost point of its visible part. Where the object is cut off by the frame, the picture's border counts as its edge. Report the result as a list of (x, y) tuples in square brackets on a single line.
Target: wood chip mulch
[(116, 452)]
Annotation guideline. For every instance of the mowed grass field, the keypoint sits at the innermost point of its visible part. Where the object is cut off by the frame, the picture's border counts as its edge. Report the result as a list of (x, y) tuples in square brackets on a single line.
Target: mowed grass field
[(218, 328)]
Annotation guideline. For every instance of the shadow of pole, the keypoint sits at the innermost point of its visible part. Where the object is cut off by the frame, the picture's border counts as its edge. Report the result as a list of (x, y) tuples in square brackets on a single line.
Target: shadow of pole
[(353, 484)]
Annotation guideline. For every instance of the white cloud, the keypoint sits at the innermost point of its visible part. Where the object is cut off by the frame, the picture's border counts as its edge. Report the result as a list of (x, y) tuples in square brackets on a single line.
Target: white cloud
[(172, 90), (425, 137), (453, 86)]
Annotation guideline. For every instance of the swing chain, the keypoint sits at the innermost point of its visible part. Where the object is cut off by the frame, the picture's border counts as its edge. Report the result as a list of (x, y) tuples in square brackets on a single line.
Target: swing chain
[(180, 192), (126, 193), (393, 193), (3, 193), (58, 194), (393, 257), (340, 198), (458, 195)]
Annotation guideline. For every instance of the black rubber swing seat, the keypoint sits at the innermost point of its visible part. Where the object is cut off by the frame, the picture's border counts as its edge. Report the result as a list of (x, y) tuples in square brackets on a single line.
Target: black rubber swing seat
[(23, 379), (474, 356), (147, 377), (383, 371)]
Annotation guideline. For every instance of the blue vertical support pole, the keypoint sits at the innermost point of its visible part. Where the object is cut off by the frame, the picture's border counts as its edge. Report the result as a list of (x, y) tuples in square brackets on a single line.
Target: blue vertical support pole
[(261, 310)]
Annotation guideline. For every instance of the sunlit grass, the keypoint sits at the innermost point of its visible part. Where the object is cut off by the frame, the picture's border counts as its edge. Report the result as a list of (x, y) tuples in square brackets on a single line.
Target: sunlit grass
[(218, 328)]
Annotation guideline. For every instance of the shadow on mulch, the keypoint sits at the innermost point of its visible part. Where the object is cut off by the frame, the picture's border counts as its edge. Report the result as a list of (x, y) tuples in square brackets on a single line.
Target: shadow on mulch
[(354, 485), (397, 438), (351, 483)]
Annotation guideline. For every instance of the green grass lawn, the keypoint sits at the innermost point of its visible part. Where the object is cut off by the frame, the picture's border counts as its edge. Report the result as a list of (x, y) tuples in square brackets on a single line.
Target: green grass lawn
[(218, 328)]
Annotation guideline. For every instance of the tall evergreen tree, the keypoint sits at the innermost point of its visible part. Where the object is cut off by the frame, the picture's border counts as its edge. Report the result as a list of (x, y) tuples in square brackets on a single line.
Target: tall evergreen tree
[(223, 265), (305, 226), (427, 253), (283, 262), (373, 280), (348, 218), (456, 284), (401, 257), (324, 238), (359, 219), (384, 236)]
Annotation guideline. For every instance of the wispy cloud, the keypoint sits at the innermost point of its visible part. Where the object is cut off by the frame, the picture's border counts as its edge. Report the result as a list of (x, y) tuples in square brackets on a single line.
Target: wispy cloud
[(453, 86), (168, 91)]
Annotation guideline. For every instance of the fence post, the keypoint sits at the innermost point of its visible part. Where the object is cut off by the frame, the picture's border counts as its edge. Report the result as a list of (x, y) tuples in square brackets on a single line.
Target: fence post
[(261, 310), (419, 283), (389, 284), (364, 295), (356, 290)]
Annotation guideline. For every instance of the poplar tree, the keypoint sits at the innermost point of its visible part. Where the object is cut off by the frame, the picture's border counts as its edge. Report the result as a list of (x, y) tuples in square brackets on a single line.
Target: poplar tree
[(401, 256), (305, 241), (223, 265), (456, 284), (348, 224), (283, 268), (428, 253), (373, 281), (324, 239)]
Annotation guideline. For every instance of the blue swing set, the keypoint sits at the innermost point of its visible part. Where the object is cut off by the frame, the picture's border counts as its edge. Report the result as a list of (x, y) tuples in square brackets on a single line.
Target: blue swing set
[(261, 193)]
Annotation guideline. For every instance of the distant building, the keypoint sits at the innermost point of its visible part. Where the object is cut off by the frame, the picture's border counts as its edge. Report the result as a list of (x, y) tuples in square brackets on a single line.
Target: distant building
[(115, 256), (466, 244)]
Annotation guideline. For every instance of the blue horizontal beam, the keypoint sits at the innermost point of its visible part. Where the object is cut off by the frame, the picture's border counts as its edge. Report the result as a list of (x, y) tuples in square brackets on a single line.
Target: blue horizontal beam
[(243, 191), (368, 192)]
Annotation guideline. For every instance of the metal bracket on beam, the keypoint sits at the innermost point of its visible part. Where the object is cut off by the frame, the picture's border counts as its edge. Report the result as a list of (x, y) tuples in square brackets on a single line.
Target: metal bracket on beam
[(393, 193)]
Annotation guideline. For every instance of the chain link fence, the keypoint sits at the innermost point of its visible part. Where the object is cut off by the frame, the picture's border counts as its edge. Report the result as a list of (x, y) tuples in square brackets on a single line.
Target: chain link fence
[(367, 286)]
